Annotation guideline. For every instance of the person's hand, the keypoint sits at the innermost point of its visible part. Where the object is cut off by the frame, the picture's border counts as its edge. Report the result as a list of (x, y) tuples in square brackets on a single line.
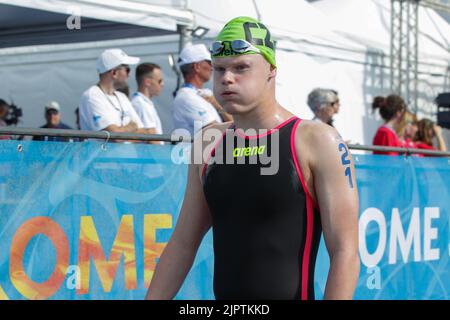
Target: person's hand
[(132, 125), (437, 129)]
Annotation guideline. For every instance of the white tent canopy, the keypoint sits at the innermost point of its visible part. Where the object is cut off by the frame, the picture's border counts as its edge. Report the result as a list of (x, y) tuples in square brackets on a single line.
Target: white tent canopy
[(155, 14), (34, 23), (369, 23), (295, 24)]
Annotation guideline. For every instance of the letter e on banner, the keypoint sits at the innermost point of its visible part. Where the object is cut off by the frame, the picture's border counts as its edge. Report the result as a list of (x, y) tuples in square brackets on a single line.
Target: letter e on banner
[(430, 233), (153, 250)]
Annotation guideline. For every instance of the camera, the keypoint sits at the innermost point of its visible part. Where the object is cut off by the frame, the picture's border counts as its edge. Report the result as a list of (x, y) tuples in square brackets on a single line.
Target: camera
[(14, 115), (443, 115)]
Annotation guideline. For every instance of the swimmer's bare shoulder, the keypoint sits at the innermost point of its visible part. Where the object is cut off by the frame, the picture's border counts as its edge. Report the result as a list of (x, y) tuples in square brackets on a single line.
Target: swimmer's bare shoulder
[(314, 136), (308, 139)]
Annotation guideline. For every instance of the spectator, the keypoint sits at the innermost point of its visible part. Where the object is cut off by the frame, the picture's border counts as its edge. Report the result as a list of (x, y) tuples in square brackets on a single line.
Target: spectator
[(53, 121), (4, 110), (427, 130), (102, 107), (324, 103), (407, 130), (150, 83), (392, 109), (192, 102)]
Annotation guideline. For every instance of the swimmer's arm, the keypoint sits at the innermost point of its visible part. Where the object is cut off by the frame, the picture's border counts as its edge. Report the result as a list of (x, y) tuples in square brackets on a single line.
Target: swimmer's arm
[(178, 256), (337, 196)]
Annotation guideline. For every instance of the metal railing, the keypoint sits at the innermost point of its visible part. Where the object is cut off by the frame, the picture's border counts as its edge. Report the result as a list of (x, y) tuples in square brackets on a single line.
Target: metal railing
[(105, 135), (406, 151)]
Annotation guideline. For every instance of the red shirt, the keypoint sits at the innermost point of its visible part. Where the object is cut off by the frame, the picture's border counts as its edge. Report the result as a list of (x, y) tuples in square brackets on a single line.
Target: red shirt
[(386, 137), (423, 145), (408, 143)]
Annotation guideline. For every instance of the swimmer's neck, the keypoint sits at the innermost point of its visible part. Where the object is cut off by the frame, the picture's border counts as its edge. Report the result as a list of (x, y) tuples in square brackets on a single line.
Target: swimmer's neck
[(266, 117)]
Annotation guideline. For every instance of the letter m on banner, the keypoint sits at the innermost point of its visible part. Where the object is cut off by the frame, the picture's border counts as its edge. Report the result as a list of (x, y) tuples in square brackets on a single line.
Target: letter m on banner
[(90, 246)]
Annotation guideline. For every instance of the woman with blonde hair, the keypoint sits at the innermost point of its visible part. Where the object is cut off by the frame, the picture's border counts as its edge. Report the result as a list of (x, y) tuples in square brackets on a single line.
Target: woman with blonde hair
[(407, 129), (427, 130)]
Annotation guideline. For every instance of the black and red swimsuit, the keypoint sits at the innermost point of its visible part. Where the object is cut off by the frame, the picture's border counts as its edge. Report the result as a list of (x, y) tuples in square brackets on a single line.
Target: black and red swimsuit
[(266, 228)]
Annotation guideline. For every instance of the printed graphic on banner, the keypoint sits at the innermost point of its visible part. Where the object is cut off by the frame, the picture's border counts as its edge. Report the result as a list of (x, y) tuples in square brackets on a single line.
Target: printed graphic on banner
[(80, 222), (403, 229)]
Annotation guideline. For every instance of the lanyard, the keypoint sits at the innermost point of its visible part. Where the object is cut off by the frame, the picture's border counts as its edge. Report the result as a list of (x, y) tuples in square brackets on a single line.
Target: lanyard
[(120, 109)]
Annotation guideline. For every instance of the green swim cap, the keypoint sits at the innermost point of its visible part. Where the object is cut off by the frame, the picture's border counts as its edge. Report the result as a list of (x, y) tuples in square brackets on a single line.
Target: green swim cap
[(251, 30)]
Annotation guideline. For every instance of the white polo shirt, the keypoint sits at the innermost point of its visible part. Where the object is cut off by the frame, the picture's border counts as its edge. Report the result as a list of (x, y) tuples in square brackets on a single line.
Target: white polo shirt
[(146, 111), (99, 110), (189, 106)]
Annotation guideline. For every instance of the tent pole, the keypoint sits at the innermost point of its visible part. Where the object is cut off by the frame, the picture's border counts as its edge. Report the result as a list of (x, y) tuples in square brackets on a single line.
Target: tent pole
[(185, 39)]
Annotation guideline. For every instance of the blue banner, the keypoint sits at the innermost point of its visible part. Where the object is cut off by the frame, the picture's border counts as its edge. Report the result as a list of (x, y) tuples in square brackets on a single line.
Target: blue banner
[(88, 221), (404, 239)]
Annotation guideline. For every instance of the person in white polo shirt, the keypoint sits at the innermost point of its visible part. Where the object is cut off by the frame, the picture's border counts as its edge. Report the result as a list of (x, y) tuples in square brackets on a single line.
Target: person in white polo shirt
[(150, 83), (102, 107), (193, 102)]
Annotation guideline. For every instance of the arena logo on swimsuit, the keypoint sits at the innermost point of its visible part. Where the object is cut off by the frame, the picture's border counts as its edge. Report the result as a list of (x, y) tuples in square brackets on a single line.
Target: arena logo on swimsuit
[(248, 151)]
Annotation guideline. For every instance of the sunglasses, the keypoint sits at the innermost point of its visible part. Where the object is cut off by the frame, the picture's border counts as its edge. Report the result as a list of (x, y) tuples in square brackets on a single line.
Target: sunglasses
[(127, 68), (238, 46), (52, 112), (160, 81)]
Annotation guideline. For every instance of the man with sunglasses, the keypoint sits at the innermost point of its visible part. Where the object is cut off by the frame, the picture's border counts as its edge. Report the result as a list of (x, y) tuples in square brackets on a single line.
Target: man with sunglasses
[(150, 83), (102, 106), (193, 103), (266, 227)]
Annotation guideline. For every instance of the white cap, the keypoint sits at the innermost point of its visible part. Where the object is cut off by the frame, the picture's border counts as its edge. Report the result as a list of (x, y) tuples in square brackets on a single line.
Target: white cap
[(112, 58), (52, 105), (193, 53)]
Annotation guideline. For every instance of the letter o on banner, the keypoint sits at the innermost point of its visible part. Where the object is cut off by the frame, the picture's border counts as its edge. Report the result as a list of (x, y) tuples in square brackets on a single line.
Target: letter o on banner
[(31, 228), (369, 215)]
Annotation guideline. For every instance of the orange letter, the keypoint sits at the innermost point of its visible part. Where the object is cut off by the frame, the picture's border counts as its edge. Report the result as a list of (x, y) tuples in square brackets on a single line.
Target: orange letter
[(90, 246), (152, 249), (27, 287)]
